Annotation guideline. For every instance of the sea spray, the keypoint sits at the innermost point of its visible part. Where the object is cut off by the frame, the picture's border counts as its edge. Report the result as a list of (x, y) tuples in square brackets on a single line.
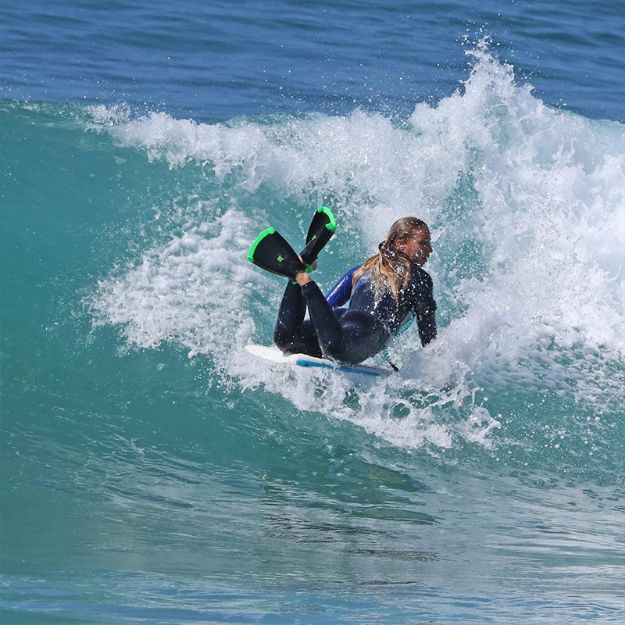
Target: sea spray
[(526, 204)]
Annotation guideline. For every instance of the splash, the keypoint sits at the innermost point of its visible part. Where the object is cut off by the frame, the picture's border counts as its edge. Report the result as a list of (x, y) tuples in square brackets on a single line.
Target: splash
[(190, 291), (527, 207)]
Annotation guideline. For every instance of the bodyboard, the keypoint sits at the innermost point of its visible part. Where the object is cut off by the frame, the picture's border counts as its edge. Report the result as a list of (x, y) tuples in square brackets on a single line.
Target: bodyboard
[(273, 354)]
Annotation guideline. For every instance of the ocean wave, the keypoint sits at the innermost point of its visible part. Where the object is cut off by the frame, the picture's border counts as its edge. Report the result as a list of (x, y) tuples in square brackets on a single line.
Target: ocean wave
[(527, 208)]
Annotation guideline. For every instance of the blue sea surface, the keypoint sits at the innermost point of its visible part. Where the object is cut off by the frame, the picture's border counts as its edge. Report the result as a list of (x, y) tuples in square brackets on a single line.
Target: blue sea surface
[(152, 471), (218, 60)]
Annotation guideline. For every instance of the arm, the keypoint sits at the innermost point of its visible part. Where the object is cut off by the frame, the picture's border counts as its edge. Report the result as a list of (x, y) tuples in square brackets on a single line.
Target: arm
[(425, 309), (340, 293)]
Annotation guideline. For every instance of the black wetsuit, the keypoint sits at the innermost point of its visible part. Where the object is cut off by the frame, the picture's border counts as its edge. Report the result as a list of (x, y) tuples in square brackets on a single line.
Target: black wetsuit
[(356, 333)]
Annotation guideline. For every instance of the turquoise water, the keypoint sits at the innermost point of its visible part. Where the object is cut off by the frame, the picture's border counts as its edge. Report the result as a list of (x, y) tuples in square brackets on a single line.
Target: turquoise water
[(151, 472)]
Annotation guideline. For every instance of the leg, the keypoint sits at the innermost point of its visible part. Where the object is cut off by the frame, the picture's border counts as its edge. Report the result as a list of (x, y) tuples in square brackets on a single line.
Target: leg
[(345, 335), (292, 334), (324, 320)]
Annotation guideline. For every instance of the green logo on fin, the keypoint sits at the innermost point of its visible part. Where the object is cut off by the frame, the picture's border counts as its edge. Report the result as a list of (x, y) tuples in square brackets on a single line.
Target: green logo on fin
[(280, 259)]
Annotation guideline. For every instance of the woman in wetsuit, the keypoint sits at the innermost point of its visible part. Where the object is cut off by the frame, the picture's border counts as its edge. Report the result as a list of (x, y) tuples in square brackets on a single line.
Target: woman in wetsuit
[(384, 293)]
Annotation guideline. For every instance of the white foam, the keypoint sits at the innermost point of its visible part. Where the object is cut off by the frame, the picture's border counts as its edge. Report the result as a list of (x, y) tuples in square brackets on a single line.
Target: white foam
[(543, 221), (191, 291)]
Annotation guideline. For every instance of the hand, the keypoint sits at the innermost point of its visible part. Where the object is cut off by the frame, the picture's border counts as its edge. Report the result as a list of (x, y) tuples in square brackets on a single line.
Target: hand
[(302, 278), (313, 266)]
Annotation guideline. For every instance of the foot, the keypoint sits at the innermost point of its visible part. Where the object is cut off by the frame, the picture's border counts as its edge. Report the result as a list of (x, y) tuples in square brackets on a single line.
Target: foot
[(271, 252), (321, 229), (309, 268)]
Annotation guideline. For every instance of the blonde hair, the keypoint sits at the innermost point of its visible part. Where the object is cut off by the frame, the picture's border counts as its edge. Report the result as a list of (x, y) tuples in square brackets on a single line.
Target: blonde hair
[(390, 268)]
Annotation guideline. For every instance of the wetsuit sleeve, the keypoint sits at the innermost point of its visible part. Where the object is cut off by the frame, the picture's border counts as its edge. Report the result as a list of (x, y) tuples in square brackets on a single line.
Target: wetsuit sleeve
[(340, 293), (425, 310)]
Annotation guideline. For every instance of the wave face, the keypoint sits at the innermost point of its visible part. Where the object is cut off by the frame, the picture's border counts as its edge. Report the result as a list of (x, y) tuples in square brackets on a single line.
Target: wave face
[(138, 431)]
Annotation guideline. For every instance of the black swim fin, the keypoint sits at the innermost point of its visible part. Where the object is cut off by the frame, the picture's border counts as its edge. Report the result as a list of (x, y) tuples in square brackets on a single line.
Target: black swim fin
[(271, 252), (320, 231)]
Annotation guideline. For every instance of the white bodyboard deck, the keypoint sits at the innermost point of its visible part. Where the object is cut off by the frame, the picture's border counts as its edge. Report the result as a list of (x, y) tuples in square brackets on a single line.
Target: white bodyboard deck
[(273, 354)]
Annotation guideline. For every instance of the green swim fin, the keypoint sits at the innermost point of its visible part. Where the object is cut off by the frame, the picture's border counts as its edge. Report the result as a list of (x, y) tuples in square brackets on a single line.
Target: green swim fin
[(321, 229), (271, 252)]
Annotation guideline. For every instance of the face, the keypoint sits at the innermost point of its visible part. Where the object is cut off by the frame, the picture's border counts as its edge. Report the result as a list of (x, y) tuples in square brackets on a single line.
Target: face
[(418, 247)]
